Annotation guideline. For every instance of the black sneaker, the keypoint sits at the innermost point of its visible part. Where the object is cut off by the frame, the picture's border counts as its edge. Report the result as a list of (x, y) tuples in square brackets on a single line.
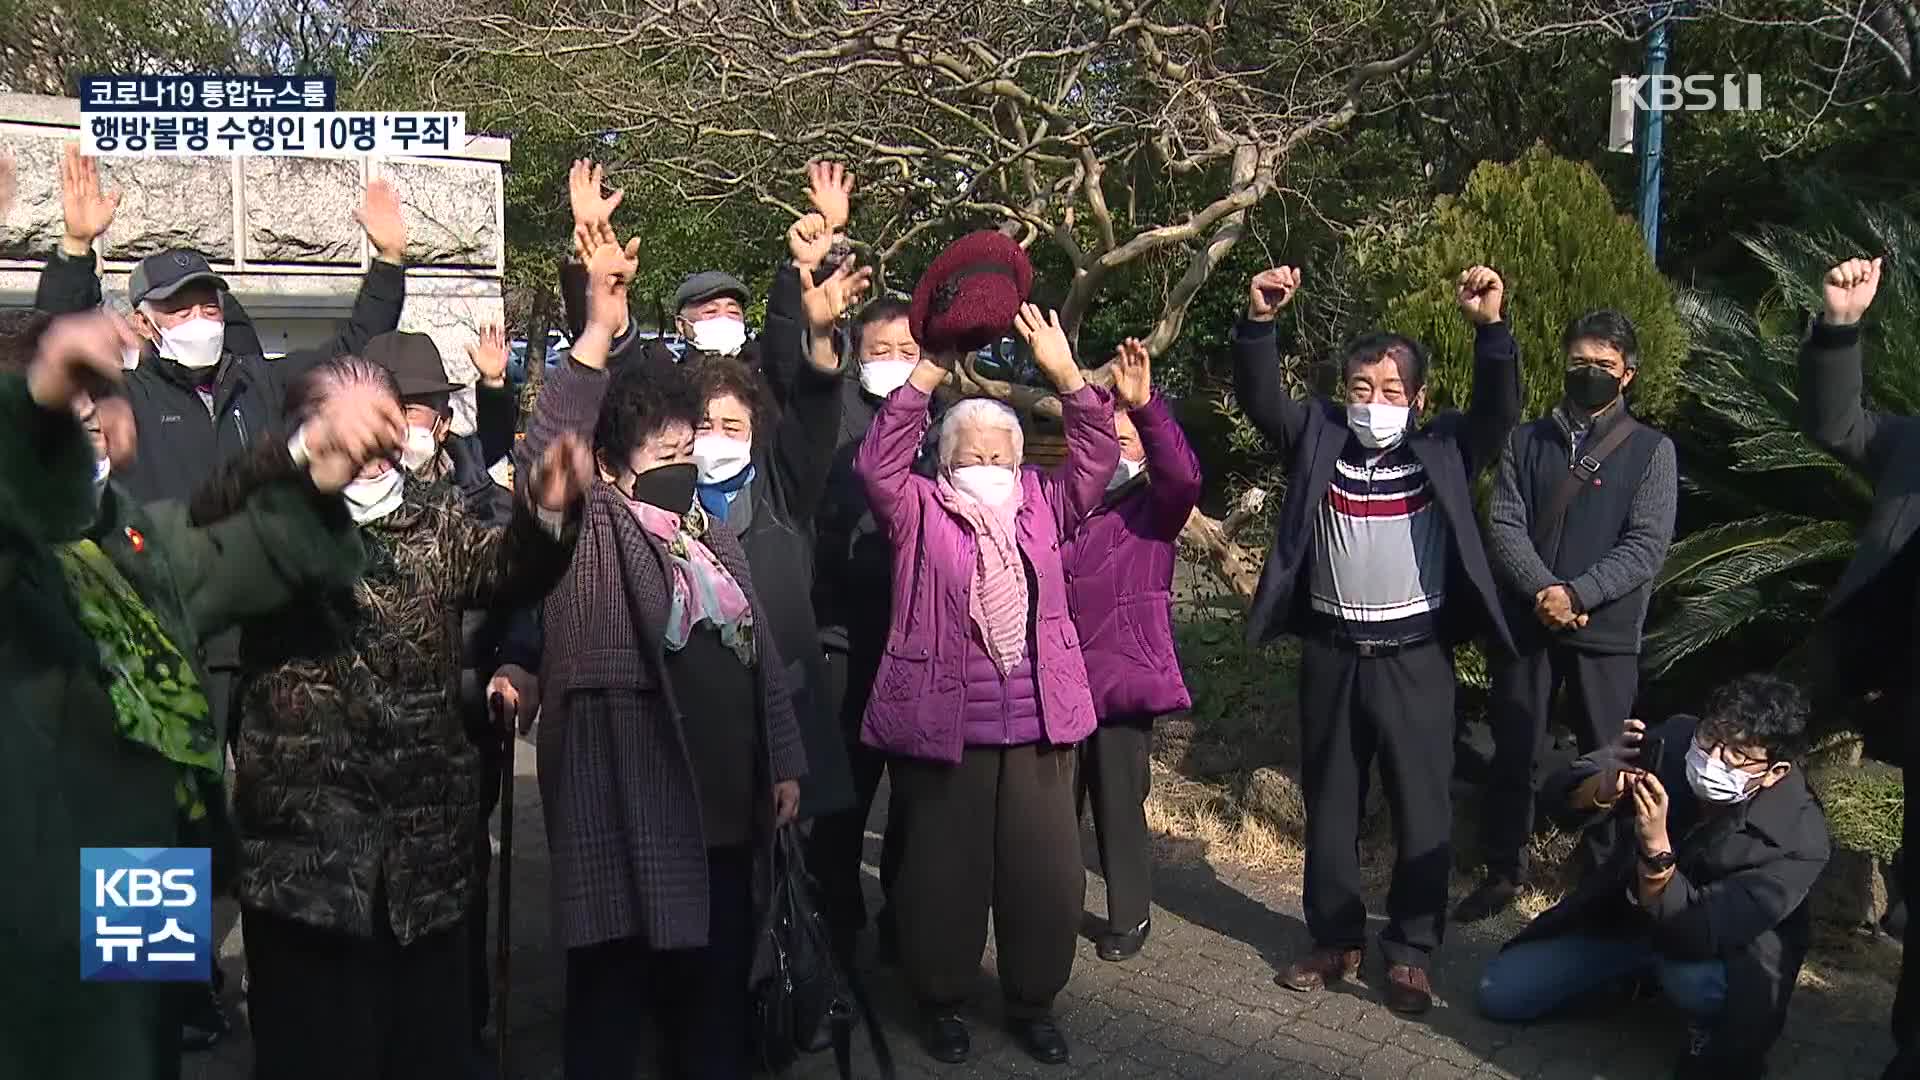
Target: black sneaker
[(1495, 895)]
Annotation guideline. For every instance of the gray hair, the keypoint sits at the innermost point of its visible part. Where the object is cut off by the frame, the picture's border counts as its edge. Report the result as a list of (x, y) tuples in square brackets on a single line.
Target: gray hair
[(985, 412)]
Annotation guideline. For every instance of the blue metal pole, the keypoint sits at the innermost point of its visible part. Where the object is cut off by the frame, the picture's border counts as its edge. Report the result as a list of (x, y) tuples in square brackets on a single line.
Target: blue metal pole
[(1651, 127)]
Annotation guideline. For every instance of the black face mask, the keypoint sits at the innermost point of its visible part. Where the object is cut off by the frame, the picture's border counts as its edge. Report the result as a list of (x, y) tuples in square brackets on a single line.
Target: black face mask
[(1592, 388), (669, 487)]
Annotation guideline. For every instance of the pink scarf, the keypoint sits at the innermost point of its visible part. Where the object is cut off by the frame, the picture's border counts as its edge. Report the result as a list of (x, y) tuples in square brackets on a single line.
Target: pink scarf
[(997, 596), (703, 590)]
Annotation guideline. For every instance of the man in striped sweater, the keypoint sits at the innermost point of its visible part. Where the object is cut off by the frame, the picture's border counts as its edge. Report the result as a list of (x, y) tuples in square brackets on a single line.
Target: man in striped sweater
[(1378, 567)]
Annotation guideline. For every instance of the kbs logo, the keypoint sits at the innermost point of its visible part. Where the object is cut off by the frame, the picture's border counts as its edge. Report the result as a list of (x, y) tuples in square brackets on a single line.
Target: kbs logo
[(146, 914)]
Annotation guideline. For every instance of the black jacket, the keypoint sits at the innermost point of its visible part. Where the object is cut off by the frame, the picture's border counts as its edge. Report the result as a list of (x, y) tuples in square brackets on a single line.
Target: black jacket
[(1739, 895), (1868, 669), (1310, 435), (783, 302), (181, 444)]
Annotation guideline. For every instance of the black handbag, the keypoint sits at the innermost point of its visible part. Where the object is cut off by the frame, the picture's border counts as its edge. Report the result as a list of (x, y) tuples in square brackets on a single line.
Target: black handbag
[(806, 1004)]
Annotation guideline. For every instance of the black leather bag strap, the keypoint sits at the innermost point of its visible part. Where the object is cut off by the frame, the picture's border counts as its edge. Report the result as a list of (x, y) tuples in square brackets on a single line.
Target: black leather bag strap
[(1580, 475)]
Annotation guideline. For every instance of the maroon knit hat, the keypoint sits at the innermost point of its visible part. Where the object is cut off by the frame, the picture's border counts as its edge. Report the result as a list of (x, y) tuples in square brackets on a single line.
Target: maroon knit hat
[(968, 298)]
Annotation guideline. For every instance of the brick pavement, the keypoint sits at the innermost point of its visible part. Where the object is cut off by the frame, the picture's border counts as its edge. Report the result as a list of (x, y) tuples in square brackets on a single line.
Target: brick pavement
[(1199, 1002)]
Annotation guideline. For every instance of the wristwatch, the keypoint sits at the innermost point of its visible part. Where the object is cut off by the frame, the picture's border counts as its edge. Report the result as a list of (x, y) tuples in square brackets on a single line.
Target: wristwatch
[(1659, 862)]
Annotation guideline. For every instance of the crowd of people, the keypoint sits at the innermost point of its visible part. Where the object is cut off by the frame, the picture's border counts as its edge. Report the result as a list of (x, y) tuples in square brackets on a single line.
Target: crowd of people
[(735, 583)]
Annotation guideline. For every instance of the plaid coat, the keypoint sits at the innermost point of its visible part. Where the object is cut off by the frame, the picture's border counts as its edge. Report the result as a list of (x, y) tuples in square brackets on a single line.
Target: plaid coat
[(624, 835)]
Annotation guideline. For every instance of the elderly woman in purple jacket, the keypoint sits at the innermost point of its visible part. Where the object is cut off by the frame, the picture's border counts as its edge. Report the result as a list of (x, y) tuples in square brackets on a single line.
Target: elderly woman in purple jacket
[(982, 694), (1119, 568)]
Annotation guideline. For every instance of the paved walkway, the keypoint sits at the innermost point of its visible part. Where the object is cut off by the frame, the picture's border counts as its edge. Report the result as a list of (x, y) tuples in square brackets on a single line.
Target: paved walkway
[(1200, 1002)]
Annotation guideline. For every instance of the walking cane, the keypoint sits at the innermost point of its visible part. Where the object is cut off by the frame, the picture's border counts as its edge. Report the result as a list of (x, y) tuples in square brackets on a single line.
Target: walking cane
[(503, 938)]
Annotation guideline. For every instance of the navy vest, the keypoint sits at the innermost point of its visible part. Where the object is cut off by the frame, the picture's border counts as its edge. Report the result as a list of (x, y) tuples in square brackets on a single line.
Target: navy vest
[(1592, 528)]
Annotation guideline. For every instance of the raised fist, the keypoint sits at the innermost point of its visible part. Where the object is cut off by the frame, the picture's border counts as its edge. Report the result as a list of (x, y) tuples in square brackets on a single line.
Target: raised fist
[(1479, 295), (1272, 290), (1849, 289)]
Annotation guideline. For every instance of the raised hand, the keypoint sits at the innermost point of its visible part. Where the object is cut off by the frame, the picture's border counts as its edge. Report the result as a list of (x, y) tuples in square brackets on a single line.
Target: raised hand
[(810, 239), (357, 424), (489, 356), (87, 210), (78, 354), (1051, 354), (563, 475), (584, 183), (610, 270), (9, 183), (830, 189), (826, 301), (386, 228), (1849, 289), (1479, 294), (1132, 374), (1270, 291)]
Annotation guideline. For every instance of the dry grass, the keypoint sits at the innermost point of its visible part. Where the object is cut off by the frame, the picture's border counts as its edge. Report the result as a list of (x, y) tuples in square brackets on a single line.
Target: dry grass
[(1208, 814)]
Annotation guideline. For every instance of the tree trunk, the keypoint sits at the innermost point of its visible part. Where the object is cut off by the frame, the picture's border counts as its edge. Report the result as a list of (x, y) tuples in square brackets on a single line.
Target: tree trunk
[(538, 324)]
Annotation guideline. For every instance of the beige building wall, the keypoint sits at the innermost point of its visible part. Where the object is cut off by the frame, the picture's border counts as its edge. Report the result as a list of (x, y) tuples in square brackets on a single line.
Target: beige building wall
[(279, 229)]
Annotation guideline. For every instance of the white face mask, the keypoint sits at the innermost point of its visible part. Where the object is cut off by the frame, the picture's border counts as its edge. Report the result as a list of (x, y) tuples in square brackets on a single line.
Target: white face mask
[(990, 485), (720, 458), (1715, 781), (722, 335), (1377, 425), (130, 358), (370, 500), (194, 344), (1126, 471), (420, 449), (882, 377)]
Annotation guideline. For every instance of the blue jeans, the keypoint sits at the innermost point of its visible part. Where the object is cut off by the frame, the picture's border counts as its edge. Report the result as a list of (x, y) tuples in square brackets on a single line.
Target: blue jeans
[(1530, 980)]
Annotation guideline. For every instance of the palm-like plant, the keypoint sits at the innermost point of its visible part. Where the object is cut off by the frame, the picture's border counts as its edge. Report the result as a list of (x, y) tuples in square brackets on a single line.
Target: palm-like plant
[(1769, 519)]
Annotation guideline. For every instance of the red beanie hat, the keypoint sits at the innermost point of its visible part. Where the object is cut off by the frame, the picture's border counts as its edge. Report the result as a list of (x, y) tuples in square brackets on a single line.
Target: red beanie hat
[(968, 298)]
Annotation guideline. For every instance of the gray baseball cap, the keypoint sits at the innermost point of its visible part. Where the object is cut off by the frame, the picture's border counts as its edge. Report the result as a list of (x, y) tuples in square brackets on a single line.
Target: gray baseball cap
[(160, 276), (706, 285)]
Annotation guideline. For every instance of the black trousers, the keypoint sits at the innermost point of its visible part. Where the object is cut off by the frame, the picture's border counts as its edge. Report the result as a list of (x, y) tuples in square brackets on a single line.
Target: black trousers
[(325, 1005), (1116, 771), (997, 831), (1600, 691), (480, 931), (697, 998), (837, 844), (1400, 709)]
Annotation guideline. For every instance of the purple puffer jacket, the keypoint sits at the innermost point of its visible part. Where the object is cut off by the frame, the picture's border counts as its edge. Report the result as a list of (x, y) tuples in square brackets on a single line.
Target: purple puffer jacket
[(920, 694), (1119, 567)]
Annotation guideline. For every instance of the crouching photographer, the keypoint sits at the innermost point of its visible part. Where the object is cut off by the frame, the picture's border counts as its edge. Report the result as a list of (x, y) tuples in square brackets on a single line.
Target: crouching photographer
[(1717, 842)]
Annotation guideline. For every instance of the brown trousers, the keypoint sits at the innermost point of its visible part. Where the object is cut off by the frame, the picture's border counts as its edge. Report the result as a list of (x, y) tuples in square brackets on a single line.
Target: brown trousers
[(997, 831)]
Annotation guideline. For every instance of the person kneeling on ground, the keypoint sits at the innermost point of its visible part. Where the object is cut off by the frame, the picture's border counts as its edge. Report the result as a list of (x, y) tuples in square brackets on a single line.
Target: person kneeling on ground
[(1719, 919)]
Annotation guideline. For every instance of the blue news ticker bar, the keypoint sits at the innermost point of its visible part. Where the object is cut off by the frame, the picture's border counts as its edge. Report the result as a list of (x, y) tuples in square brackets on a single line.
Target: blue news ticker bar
[(207, 93)]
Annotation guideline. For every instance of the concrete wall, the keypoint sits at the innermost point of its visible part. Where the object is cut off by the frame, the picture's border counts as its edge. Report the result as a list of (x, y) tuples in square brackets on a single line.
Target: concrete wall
[(280, 230)]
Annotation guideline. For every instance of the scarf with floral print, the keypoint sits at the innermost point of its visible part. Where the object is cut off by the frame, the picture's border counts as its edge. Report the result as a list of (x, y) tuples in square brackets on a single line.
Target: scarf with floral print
[(157, 698)]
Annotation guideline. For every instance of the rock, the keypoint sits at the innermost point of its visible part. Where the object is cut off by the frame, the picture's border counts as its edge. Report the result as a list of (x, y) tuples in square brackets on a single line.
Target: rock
[(1852, 892), (451, 210), (1274, 797), (168, 203), (32, 225), (300, 210)]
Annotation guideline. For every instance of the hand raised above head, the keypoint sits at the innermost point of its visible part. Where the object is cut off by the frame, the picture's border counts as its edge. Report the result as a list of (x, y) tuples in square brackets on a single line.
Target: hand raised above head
[(1132, 374), (1270, 291), (1849, 289), (1052, 353), (1480, 294), (584, 183), (830, 189)]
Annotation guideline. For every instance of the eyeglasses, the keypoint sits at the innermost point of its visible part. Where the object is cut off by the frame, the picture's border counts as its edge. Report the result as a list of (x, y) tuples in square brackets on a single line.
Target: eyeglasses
[(1712, 740)]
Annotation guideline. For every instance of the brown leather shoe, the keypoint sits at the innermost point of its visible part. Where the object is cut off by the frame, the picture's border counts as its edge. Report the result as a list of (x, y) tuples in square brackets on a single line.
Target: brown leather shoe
[(1318, 968), (1408, 990)]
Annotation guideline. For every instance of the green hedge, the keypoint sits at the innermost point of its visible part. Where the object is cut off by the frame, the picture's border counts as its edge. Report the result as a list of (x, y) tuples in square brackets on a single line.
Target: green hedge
[(1549, 227)]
